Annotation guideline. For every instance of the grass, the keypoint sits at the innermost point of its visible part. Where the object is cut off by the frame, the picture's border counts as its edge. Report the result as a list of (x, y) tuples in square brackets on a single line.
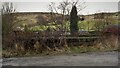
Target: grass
[(107, 44), (69, 50)]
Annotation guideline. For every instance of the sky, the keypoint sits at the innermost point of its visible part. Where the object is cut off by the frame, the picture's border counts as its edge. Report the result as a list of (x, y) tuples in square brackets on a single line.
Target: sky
[(57, 0), (93, 6)]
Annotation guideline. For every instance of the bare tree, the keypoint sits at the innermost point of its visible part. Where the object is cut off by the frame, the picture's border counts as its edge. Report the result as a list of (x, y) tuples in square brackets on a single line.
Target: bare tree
[(7, 17), (64, 9), (7, 7)]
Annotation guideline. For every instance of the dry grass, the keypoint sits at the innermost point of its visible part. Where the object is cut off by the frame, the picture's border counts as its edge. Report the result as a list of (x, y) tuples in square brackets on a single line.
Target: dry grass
[(107, 44)]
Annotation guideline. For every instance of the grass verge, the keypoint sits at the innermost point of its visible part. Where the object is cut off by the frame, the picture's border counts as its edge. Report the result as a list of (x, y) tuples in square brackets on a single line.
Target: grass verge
[(69, 50)]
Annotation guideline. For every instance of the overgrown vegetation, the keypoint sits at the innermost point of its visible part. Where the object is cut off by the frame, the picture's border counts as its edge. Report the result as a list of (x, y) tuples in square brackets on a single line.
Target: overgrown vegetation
[(49, 33), (105, 45)]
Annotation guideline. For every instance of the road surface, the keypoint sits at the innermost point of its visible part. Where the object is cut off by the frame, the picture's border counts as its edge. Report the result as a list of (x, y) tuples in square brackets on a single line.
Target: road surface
[(82, 59)]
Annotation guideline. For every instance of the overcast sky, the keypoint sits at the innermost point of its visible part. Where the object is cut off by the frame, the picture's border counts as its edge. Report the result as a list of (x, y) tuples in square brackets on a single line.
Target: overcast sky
[(56, 0), (42, 5)]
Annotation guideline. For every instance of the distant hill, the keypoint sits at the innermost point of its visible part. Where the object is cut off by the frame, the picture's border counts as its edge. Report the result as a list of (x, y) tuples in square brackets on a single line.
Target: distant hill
[(98, 15), (99, 20), (33, 18), (36, 18)]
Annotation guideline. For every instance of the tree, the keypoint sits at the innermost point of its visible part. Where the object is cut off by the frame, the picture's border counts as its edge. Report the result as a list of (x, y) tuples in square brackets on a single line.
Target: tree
[(7, 8), (7, 17), (73, 21), (64, 9)]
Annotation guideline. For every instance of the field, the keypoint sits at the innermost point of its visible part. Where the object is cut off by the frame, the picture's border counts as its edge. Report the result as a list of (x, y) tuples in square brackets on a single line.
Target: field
[(42, 21), (36, 34)]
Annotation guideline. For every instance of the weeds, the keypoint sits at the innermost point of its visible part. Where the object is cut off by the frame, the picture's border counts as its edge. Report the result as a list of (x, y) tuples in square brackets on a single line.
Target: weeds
[(73, 49), (42, 48)]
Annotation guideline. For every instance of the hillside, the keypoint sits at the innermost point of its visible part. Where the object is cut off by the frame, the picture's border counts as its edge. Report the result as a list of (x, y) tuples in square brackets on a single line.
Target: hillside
[(98, 20), (43, 18), (31, 18)]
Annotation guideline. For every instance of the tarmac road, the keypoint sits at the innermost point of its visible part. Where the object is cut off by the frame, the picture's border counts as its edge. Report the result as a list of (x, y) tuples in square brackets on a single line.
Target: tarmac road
[(81, 59)]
